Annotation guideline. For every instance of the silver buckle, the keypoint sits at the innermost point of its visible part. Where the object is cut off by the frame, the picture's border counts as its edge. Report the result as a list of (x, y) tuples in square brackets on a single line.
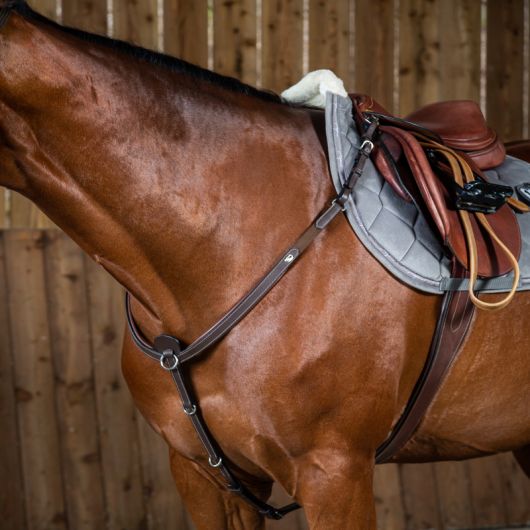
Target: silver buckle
[(369, 144), (335, 201), (191, 411), (168, 360), (216, 464)]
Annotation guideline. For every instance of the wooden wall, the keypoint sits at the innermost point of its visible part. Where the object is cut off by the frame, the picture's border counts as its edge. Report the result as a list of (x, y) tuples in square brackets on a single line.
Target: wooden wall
[(74, 453), (403, 52)]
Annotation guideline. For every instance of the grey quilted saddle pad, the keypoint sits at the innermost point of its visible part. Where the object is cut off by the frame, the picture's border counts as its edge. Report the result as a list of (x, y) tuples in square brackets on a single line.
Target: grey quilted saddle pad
[(394, 231)]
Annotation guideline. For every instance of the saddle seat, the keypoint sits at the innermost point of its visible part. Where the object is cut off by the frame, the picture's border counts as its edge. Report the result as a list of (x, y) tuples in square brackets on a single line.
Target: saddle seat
[(404, 158)]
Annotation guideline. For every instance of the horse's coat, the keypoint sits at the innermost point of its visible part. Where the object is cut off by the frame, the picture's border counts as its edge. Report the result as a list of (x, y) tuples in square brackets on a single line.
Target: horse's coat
[(185, 187)]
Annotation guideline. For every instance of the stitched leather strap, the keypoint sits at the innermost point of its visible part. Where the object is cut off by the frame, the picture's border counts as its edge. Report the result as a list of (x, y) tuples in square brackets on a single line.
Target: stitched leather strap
[(452, 327), (167, 349)]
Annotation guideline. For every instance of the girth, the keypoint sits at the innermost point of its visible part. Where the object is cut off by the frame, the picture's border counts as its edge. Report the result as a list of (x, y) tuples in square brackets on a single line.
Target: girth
[(453, 323)]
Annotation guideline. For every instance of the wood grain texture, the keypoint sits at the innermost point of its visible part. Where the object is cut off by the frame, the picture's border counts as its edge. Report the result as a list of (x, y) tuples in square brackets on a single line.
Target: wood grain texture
[(454, 494), (420, 497), (504, 79), (74, 383), (136, 21), (515, 489), (282, 54), (11, 486), (24, 214), (90, 15), (118, 434), (419, 72), (329, 38), (486, 492), (186, 30), (164, 508), (37, 419), (48, 8), (388, 498), (460, 26), (3, 214), (374, 50), (234, 48)]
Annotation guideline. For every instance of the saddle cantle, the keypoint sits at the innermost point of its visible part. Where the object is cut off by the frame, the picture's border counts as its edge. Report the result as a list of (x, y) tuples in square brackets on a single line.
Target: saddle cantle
[(407, 157), (461, 126)]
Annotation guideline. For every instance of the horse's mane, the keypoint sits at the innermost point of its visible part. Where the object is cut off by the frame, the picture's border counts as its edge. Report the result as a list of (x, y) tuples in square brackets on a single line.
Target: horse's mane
[(159, 59)]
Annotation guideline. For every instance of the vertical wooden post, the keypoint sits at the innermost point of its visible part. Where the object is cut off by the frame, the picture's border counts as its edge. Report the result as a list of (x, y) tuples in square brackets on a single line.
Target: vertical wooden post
[(164, 507), (235, 39), (460, 25), (504, 88), (420, 496), (282, 43), (374, 50), (419, 73), (90, 15), (12, 489), (515, 488), (186, 30), (136, 21), (37, 419), (118, 436), (70, 339), (388, 498), (329, 38), (486, 492), (454, 495), (3, 219)]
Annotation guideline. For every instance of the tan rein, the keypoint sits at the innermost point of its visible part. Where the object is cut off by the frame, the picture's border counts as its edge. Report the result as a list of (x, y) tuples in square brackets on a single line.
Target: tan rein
[(463, 174)]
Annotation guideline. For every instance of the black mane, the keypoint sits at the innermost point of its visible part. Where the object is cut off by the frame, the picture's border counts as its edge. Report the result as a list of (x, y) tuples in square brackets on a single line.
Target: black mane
[(155, 58)]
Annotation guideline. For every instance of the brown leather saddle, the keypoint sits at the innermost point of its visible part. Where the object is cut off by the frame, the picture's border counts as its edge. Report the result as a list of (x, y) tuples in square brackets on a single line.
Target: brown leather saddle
[(408, 160)]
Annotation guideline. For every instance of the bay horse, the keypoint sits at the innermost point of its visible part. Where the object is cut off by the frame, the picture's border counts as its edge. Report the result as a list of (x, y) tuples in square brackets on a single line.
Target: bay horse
[(186, 186)]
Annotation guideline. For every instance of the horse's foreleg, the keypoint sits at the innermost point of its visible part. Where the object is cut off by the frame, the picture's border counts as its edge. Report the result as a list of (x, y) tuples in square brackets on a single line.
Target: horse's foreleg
[(337, 495), (208, 504)]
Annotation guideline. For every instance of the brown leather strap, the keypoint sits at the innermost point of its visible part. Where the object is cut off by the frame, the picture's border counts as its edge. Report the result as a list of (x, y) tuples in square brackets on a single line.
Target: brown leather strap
[(167, 349), (453, 324)]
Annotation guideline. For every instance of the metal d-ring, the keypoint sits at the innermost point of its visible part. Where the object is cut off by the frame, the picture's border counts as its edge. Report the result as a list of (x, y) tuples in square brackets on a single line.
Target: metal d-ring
[(191, 411), (169, 356), (216, 464)]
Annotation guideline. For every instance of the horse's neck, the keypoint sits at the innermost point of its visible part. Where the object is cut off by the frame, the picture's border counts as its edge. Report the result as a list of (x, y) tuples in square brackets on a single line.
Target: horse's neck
[(184, 198)]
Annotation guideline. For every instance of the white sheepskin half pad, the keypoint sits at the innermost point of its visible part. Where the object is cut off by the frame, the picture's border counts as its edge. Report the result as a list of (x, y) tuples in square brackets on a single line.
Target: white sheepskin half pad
[(311, 89)]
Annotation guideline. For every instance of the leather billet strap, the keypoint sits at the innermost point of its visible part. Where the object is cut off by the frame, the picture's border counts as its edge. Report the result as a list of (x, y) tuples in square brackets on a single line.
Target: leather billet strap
[(168, 351), (453, 324)]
